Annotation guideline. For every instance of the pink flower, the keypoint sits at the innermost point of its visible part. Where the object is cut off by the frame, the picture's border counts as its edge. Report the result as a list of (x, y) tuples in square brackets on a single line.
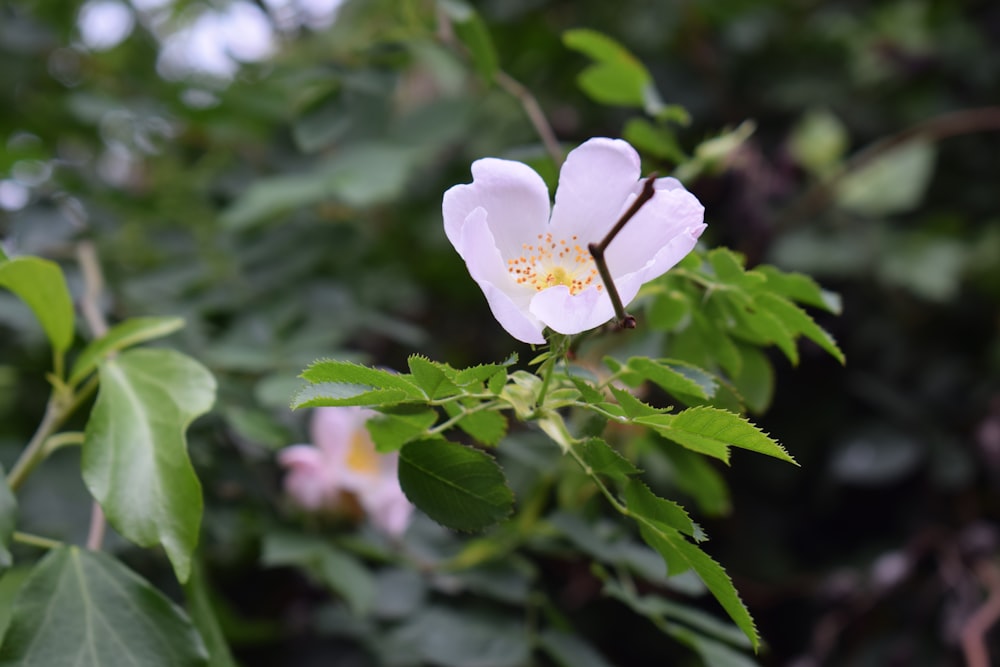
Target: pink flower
[(342, 467), (535, 269)]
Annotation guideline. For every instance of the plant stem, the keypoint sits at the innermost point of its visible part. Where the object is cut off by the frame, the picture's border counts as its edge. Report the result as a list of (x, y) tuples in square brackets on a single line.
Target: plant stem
[(625, 320), (535, 114), (36, 540), (33, 454)]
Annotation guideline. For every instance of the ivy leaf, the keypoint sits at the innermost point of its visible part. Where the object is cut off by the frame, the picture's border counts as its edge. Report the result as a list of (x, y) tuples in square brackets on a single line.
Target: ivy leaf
[(135, 459), (85, 609), (458, 487), (604, 460), (41, 285), (8, 520), (126, 334)]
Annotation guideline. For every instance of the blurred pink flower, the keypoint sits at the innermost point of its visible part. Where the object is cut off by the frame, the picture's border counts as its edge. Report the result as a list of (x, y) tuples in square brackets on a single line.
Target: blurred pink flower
[(341, 467), (536, 271)]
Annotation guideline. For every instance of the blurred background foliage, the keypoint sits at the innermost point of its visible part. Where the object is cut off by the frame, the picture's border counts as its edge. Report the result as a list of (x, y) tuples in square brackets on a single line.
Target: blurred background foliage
[(285, 200)]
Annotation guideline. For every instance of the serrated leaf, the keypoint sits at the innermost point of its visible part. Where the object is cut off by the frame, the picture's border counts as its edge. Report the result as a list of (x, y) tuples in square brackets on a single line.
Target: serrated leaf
[(432, 377), (755, 381), (587, 390), (482, 372), (126, 334), (135, 461), (332, 371), (696, 477), (486, 426), (676, 550), (797, 320), (458, 487), (41, 285), (667, 378), (603, 460), (669, 311), (336, 394), (8, 520), (398, 426), (84, 609), (663, 423), (771, 329), (707, 429), (728, 266), (718, 343), (616, 76), (801, 288), (631, 405), (643, 502)]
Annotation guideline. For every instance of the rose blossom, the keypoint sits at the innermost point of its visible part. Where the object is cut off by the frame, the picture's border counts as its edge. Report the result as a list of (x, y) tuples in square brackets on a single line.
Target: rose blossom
[(535, 270), (342, 465)]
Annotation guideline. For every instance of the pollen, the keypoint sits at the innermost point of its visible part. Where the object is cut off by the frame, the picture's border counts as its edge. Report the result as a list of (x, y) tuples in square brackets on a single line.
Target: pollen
[(553, 262)]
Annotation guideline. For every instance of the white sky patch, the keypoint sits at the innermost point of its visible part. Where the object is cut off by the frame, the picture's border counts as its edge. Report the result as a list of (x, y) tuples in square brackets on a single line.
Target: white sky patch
[(13, 195), (104, 24)]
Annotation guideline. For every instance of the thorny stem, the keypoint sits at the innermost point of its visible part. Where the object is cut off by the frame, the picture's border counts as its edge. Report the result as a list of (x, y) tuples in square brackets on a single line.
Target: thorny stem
[(625, 320)]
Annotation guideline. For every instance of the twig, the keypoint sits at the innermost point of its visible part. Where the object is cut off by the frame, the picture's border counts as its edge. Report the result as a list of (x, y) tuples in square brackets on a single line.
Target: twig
[(93, 280), (535, 114), (625, 320), (984, 618)]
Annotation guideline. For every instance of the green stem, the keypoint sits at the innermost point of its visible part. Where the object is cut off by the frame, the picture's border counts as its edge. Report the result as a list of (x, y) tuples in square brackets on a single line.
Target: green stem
[(35, 451), (60, 440), (447, 424), (37, 540)]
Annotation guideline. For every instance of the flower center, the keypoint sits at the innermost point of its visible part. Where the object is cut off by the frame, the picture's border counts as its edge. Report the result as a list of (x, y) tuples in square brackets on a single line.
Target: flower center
[(361, 456), (554, 262)]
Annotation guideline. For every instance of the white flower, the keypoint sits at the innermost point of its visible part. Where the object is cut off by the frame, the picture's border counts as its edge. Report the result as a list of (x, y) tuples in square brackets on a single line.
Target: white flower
[(536, 272), (342, 466)]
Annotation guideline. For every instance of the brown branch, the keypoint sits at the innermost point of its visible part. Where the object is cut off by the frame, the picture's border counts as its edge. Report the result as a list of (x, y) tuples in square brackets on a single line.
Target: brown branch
[(535, 114), (625, 320), (984, 618)]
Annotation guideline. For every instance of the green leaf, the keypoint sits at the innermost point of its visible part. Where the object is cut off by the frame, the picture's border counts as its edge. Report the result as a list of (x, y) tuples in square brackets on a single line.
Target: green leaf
[(676, 550), (668, 378), (818, 141), (135, 459), (332, 394), (457, 638), (798, 321), (658, 141), (41, 285), (486, 426), (616, 77), (710, 430), (458, 487), (800, 287), (472, 31), (569, 650), (669, 311), (432, 377), (8, 521), (603, 460), (345, 372), (755, 381), (199, 605), (400, 425), (643, 502), (696, 477), (85, 609), (126, 334), (3, 255), (631, 405), (728, 266), (483, 372), (765, 325)]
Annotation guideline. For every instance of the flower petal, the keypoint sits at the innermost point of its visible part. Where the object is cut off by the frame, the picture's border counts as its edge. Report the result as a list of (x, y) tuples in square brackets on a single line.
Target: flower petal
[(572, 313), (514, 197), (306, 480), (508, 300), (594, 183), (664, 230), (331, 429)]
